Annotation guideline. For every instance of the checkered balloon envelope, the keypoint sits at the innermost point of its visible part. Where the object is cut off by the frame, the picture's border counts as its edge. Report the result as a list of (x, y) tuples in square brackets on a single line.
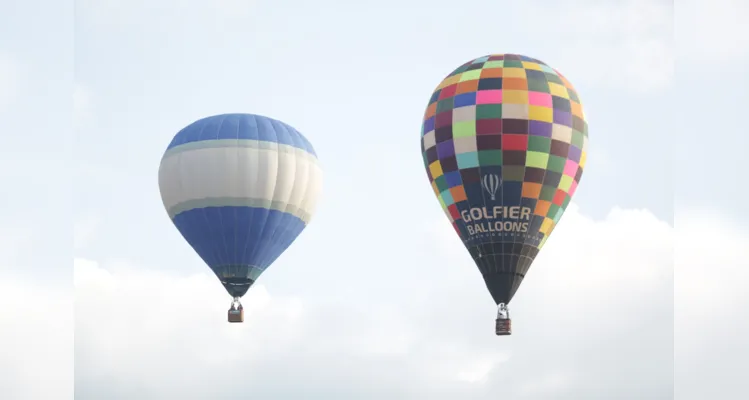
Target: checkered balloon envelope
[(504, 142)]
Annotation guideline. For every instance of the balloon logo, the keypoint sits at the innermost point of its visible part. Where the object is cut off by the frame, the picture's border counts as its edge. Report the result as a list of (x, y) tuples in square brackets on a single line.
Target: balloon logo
[(504, 142), (491, 184), (239, 188)]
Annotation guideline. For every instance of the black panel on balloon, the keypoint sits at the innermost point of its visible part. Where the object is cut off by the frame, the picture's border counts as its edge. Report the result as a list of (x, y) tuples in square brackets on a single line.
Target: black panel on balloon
[(502, 285)]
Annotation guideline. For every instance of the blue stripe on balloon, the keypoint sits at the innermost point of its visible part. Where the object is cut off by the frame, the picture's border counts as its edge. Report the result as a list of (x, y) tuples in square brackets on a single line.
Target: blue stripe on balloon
[(238, 235), (241, 126)]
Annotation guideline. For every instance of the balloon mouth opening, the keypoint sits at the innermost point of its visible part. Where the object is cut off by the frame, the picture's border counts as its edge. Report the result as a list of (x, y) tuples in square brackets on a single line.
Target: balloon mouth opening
[(237, 287)]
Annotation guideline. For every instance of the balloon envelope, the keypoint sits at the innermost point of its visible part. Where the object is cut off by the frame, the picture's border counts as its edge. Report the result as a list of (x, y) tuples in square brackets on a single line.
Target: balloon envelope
[(239, 188), (504, 142)]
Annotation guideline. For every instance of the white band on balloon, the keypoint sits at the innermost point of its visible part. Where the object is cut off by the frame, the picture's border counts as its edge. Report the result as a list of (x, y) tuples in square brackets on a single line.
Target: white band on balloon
[(231, 172)]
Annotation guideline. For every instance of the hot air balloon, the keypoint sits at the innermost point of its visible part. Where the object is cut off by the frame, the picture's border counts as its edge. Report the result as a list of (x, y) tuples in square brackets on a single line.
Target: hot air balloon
[(239, 188), (504, 142)]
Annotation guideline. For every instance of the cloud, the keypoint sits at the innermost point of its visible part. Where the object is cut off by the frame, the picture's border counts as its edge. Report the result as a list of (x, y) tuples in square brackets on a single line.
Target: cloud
[(594, 319), (611, 43), (10, 75), (710, 306), (715, 30), (36, 340), (36, 312)]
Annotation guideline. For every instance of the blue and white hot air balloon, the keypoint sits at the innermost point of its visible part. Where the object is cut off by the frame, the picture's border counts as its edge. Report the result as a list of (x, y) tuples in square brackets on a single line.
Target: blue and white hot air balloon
[(239, 188)]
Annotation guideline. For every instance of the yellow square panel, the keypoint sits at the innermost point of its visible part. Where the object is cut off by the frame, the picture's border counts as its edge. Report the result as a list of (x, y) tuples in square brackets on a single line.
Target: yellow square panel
[(435, 169), (558, 90), (514, 73)]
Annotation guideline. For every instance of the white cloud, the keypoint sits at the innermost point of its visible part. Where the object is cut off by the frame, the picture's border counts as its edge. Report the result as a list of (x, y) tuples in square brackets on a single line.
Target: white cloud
[(596, 307), (715, 30), (547, 385), (36, 316), (10, 75), (36, 340), (619, 44), (710, 306)]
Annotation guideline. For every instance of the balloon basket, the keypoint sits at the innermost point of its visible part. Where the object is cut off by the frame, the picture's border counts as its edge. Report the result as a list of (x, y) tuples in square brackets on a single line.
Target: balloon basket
[(236, 315), (236, 311), (503, 327)]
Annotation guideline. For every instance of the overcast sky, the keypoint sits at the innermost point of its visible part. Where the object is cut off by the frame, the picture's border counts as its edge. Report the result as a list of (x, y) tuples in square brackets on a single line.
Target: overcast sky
[(636, 294)]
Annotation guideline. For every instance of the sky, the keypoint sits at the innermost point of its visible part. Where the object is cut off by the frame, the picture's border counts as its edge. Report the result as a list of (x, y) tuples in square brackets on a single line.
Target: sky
[(377, 298)]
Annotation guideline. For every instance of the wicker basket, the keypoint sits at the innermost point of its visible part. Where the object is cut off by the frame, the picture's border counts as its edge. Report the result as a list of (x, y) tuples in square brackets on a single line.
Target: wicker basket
[(503, 327), (236, 315)]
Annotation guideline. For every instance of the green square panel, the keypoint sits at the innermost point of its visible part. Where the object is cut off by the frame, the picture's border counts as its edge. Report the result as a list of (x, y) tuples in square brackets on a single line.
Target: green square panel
[(513, 64), (553, 78), (538, 85), (490, 157), (536, 159), (547, 193), (577, 139), (494, 64), (558, 215), (471, 75), (464, 129), (553, 209), (489, 111), (441, 183), (539, 143), (445, 105), (513, 173), (556, 164)]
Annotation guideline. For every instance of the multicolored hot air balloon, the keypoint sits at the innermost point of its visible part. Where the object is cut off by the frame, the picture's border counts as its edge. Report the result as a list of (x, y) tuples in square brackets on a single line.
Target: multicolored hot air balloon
[(504, 143), (239, 188)]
